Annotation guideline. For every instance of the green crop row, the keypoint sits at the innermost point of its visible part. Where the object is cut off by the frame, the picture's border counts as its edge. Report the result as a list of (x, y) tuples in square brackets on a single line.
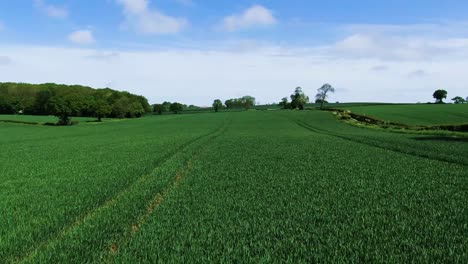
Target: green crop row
[(280, 192), (53, 178), (254, 186)]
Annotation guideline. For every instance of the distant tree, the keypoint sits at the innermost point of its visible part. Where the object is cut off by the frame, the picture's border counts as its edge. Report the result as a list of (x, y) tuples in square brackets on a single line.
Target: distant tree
[(40, 104), (36, 99), (101, 108), (98, 105), (458, 100), (248, 102), (167, 106), (299, 99), (440, 95), (159, 109), (63, 107), (217, 104), (285, 103), (120, 108), (135, 109), (147, 108), (176, 108), (5, 106), (323, 92), (229, 104)]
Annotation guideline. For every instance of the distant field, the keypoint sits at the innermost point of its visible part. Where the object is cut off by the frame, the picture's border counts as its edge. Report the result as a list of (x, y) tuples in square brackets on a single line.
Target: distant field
[(415, 114), (253, 186), (39, 119)]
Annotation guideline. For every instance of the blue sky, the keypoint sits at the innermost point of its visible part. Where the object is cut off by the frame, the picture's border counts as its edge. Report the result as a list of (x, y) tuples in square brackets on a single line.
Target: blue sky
[(195, 51)]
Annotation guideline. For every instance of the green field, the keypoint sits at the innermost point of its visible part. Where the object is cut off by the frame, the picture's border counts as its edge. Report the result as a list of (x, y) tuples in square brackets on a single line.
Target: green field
[(39, 119), (415, 114), (253, 186)]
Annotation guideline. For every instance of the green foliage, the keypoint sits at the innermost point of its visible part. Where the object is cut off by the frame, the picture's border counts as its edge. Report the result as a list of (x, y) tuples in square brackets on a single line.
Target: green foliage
[(246, 102), (285, 104), (217, 104), (440, 95), (159, 109), (458, 100), (166, 106), (176, 108), (63, 107), (66, 101), (101, 108), (299, 99)]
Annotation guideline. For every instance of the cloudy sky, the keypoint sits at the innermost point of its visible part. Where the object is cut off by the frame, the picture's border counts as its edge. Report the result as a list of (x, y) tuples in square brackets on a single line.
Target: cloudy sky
[(195, 51)]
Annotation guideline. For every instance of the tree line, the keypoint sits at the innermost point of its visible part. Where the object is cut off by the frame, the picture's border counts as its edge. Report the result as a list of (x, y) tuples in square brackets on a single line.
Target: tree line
[(441, 94), (65, 101), (245, 102), (175, 107)]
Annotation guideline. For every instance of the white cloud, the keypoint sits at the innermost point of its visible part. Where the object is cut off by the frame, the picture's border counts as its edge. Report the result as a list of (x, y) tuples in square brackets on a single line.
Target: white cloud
[(255, 16), (377, 64), (140, 18), (52, 10), (385, 47), (172, 74), (402, 42), (134, 6), (82, 37)]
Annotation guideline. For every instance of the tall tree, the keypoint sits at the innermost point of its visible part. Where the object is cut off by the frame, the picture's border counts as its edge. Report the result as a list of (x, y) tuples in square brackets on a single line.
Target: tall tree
[(63, 107), (101, 108), (217, 104), (323, 92), (248, 101), (440, 95), (299, 99)]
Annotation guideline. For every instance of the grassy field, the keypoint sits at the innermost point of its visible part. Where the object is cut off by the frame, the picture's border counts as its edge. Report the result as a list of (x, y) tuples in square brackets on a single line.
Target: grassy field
[(415, 114), (39, 119), (254, 186)]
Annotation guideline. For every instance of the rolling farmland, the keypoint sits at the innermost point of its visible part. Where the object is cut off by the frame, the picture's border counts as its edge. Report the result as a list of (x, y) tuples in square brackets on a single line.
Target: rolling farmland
[(254, 186)]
